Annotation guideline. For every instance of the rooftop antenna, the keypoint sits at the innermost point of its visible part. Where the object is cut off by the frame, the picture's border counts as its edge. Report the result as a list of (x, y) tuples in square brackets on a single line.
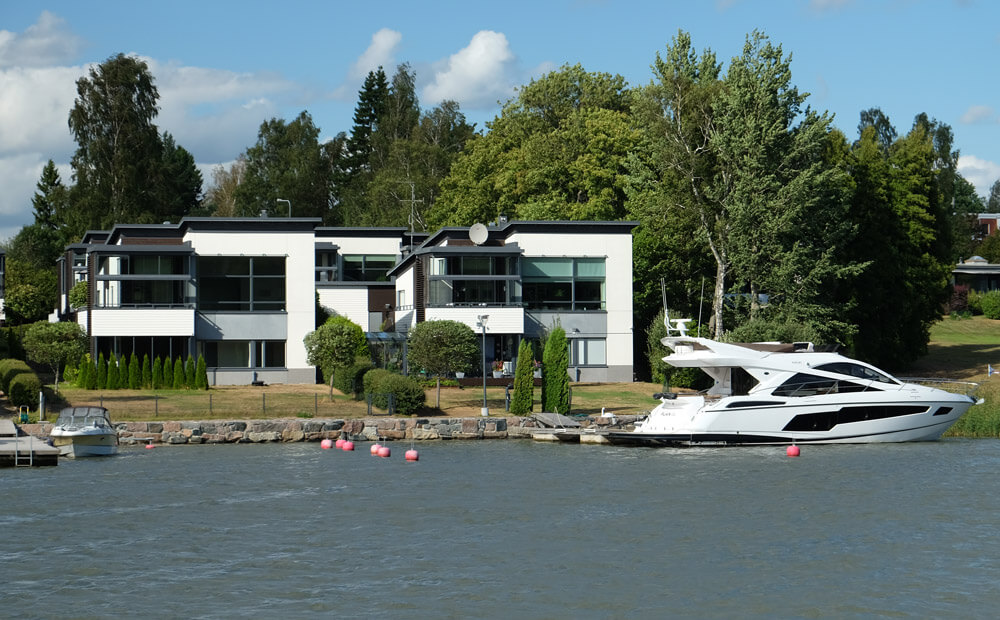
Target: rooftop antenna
[(414, 216)]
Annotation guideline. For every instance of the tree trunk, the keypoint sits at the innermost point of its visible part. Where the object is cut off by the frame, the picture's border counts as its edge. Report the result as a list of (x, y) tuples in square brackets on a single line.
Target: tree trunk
[(438, 405), (331, 384)]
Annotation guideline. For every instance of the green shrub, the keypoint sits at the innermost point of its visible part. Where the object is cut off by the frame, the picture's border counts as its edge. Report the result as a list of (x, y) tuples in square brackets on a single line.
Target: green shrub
[(974, 301), (201, 374), (349, 379), (178, 375), (409, 395), (24, 389), (10, 368), (990, 303)]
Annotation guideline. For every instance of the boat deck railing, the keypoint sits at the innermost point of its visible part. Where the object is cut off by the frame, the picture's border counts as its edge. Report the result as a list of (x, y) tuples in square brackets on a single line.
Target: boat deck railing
[(954, 386)]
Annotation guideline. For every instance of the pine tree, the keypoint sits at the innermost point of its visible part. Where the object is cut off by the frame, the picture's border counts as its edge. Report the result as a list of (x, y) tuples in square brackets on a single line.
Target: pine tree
[(156, 374), (189, 373), (524, 381), (202, 374), (92, 376), (84, 372), (134, 372), (555, 372), (114, 380), (168, 373), (178, 374), (147, 373), (102, 372)]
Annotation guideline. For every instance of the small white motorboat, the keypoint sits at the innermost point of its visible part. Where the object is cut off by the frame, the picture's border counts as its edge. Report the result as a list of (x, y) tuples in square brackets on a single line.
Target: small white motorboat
[(84, 431)]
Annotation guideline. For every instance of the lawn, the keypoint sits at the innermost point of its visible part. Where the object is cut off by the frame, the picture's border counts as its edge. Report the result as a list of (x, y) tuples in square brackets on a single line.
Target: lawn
[(279, 401)]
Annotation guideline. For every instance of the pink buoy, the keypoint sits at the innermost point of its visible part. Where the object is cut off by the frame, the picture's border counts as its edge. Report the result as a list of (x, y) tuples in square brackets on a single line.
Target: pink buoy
[(412, 455), (375, 448), (792, 450), (340, 443), (348, 446), (150, 446), (326, 444), (384, 452)]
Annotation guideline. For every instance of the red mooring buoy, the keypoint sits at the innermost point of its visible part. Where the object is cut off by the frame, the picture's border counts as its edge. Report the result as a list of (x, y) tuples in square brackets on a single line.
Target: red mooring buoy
[(792, 450), (412, 455), (348, 446), (375, 448), (384, 451), (340, 443), (326, 444)]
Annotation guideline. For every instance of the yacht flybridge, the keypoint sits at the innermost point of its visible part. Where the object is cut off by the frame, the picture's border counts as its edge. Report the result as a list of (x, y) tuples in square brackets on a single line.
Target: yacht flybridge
[(770, 393)]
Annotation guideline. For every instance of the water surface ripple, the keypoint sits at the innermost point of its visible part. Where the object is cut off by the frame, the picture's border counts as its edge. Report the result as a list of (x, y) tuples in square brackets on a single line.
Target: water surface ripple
[(501, 529)]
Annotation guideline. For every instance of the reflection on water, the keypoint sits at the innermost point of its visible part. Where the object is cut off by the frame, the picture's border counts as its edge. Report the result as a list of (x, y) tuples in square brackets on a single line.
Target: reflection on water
[(506, 528)]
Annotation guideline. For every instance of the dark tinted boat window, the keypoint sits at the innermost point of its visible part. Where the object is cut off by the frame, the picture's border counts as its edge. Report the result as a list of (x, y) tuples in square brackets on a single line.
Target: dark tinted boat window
[(855, 370), (804, 384)]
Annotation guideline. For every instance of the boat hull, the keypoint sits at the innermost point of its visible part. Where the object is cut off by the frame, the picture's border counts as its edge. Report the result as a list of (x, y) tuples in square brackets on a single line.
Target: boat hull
[(82, 445), (683, 426)]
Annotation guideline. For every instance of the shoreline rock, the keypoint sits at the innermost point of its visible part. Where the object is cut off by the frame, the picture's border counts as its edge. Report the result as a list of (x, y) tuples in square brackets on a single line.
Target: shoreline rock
[(288, 430)]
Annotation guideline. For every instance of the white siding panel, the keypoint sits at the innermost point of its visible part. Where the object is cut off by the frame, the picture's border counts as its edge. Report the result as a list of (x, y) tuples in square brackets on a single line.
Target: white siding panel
[(139, 321), (500, 321), (351, 302)]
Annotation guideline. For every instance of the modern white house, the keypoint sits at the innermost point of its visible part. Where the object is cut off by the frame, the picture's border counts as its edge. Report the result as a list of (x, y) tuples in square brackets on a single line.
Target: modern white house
[(244, 292)]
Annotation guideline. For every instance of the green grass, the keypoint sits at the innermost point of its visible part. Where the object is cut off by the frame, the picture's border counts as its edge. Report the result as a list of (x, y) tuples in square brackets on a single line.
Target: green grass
[(963, 349)]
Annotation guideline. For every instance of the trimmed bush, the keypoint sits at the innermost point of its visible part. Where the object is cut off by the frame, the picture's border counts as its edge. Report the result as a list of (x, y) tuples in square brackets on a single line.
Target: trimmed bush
[(201, 374), (990, 303), (24, 389), (179, 374), (349, 380), (10, 368), (409, 395)]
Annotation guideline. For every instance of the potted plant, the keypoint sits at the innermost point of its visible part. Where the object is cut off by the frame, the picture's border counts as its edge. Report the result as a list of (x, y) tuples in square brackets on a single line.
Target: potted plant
[(498, 369), (538, 369)]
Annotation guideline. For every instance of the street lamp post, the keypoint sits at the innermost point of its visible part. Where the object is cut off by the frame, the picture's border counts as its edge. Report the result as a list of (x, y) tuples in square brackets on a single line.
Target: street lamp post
[(485, 411), (281, 200)]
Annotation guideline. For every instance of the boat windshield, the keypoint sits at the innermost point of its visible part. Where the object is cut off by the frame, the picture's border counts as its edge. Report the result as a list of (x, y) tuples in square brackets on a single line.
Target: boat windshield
[(857, 370)]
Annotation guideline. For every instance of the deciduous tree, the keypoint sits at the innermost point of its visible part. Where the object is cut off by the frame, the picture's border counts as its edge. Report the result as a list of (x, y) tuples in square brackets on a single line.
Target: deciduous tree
[(441, 348), (55, 345)]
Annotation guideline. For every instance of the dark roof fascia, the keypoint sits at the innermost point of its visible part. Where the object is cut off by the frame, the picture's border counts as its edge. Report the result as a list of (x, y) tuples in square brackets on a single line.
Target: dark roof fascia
[(144, 230), (395, 232), (250, 224), (183, 248), (95, 236), (456, 250), (326, 245)]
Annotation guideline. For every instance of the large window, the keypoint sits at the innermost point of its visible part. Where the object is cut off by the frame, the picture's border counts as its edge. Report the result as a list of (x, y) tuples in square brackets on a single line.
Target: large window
[(241, 283), (244, 353), (563, 283), (367, 267), (588, 352), (471, 280)]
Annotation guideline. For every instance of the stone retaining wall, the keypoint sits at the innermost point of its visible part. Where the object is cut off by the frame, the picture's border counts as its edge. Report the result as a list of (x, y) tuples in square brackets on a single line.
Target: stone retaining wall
[(298, 429)]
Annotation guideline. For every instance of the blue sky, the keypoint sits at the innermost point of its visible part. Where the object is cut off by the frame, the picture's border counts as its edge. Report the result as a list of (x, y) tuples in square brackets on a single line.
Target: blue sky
[(224, 67)]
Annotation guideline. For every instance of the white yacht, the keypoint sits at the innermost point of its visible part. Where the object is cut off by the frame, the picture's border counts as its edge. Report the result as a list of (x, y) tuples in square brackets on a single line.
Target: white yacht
[(84, 431), (769, 393)]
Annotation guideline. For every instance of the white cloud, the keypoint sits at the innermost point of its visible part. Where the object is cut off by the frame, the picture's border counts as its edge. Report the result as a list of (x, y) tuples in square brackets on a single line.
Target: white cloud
[(977, 114), (380, 53), (980, 172), (478, 75), (42, 44)]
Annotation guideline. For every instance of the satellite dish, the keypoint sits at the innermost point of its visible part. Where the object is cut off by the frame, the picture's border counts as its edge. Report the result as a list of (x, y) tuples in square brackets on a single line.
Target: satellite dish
[(478, 234)]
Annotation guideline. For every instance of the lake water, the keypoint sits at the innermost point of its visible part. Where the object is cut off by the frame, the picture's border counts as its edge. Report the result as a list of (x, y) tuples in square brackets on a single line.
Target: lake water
[(506, 529)]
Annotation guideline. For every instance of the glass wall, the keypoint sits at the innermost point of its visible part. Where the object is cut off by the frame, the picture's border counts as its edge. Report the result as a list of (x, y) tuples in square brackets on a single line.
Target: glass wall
[(472, 281), (244, 353), (563, 283), (241, 283)]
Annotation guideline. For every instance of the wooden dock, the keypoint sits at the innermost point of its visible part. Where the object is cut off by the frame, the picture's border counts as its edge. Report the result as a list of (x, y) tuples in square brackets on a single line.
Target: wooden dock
[(24, 451)]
